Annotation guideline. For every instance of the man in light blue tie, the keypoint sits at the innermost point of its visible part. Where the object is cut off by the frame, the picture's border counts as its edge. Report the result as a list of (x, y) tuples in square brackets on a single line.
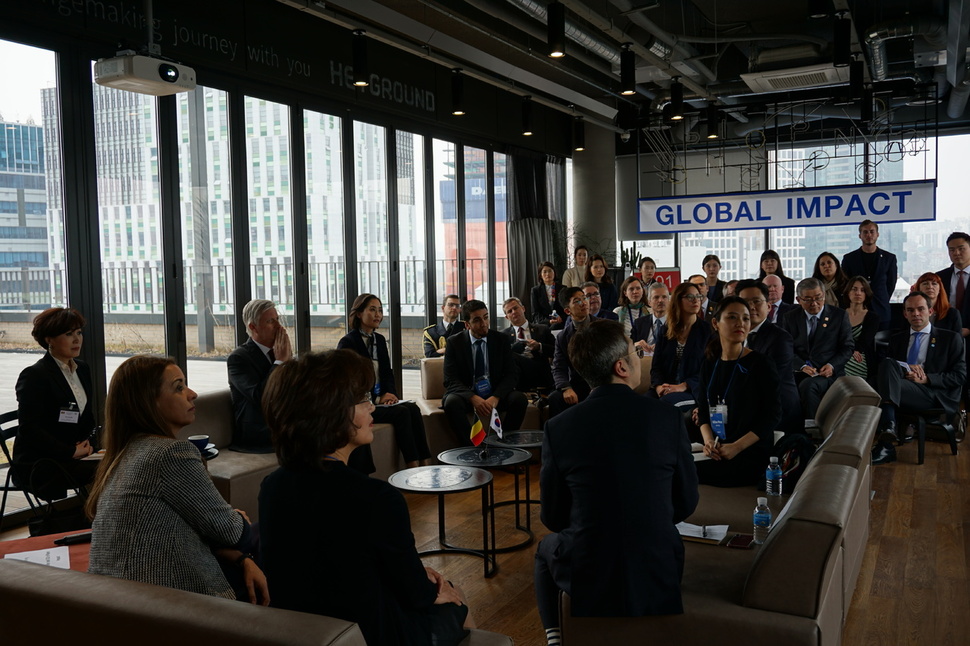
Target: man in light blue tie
[(925, 369)]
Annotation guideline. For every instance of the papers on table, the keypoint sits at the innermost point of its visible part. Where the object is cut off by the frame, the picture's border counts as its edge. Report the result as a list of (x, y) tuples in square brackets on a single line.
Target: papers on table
[(95, 456), (53, 556), (397, 403), (712, 534)]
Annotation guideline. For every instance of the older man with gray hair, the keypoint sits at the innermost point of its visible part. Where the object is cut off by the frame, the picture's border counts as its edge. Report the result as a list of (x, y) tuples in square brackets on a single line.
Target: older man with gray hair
[(822, 337)]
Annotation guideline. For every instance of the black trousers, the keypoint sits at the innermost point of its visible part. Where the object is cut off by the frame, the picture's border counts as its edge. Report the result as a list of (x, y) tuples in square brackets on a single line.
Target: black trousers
[(811, 390), (511, 409), (557, 403), (408, 429), (892, 386)]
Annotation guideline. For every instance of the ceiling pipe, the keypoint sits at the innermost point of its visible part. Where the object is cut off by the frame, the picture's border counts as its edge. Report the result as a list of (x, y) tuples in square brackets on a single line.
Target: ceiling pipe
[(932, 29), (957, 103)]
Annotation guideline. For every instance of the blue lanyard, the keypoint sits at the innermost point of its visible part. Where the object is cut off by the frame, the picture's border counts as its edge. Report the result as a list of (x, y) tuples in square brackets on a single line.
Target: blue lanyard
[(730, 379)]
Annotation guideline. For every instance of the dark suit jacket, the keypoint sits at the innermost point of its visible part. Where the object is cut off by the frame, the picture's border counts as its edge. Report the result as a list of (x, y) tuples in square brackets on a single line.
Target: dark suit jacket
[(609, 295), (607, 314), (460, 371), (882, 281), (354, 340), (718, 292), (536, 371), (776, 344), (783, 308), (615, 503), (946, 275), (249, 369), (665, 353), (788, 284), (562, 368), (833, 339), (42, 391), (641, 328), (542, 309), (945, 367), (540, 333), (433, 334)]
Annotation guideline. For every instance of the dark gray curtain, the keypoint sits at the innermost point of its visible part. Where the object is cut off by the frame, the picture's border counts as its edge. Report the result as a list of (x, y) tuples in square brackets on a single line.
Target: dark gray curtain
[(536, 216)]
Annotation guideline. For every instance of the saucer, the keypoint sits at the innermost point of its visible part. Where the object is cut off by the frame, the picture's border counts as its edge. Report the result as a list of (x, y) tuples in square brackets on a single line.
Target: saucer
[(210, 453), (210, 446)]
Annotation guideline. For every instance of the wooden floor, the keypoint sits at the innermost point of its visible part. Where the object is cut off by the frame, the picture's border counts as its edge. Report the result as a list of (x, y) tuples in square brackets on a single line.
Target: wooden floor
[(914, 587)]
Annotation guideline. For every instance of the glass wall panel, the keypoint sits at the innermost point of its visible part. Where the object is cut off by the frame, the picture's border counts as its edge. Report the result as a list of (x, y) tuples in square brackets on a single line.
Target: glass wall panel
[(502, 284), (413, 256), (325, 228), (445, 220), (126, 145), (206, 213), (476, 225), (370, 169), (270, 206)]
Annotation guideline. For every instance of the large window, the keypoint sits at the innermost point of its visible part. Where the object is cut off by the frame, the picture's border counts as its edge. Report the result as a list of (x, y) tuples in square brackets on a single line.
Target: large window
[(503, 287), (476, 225), (445, 220), (370, 168), (412, 217)]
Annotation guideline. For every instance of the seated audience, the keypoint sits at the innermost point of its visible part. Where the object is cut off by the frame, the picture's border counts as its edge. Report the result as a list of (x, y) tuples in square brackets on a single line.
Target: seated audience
[(598, 272), (480, 376), (333, 541), (707, 305), (55, 410), (612, 496), (249, 368), (739, 405), (679, 352), (934, 377), (776, 307), (571, 388), (365, 317), (647, 329), (776, 344), (532, 348), (713, 285), (545, 297), (648, 269), (865, 323), (771, 266), (823, 343), (942, 315), (435, 337), (592, 291), (158, 517), (829, 272), (633, 303), (576, 275)]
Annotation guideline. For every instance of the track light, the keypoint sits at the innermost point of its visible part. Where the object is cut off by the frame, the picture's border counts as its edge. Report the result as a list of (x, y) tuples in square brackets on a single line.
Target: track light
[(865, 106), (819, 8), (579, 134), (713, 122), (676, 100), (857, 78), (842, 42), (360, 59), (527, 116), (457, 92), (628, 71), (556, 29)]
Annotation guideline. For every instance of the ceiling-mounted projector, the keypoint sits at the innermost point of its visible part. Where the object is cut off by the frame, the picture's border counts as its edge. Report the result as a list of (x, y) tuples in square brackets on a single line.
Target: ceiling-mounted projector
[(144, 74)]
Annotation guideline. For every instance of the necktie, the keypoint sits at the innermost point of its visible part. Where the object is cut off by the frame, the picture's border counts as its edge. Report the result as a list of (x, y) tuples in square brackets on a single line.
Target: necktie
[(479, 359), (771, 312), (913, 357), (656, 330), (812, 323), (751, 338), (961, 289), (271, 355), (521, 334), (448, 329)]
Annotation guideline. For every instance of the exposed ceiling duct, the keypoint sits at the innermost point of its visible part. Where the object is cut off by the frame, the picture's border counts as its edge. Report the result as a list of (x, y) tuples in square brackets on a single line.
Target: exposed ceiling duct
[(933, 30)]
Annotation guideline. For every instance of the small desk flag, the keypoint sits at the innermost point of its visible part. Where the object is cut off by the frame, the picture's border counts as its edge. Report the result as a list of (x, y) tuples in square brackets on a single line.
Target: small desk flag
[(477, 434), (496, 424)]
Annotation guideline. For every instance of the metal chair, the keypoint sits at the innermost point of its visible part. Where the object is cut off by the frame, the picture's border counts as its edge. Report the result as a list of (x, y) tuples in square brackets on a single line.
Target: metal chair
[(8, 430)]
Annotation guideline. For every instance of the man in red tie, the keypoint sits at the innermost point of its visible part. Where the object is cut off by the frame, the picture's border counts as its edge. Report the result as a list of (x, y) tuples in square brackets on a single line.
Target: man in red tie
[(532, 346)]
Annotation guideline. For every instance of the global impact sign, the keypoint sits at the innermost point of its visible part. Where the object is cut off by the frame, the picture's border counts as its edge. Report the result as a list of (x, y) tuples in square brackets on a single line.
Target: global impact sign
[(806, 207)]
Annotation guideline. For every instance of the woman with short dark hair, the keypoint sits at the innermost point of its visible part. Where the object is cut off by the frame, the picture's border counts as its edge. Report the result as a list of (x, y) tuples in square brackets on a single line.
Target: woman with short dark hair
[(363, 566), (55, 410), (715, 286), (771, 264), (365, 317)]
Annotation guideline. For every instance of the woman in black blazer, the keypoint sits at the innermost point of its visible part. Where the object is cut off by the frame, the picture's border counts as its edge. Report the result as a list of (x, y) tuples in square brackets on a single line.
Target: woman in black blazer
[(546, 309), (715, 286), (597, 271), (674, 375), (365, 317), (945, 316), (771, 264), (55, 409)]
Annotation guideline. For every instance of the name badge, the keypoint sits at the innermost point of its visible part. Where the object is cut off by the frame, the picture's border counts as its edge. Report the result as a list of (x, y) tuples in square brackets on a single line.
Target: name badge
[(483, 388), (69, 415), (719, 415)]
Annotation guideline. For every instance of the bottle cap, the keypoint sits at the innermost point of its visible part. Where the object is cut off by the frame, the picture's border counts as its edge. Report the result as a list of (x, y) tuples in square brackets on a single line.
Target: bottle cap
[(762, 500), (773, 460)]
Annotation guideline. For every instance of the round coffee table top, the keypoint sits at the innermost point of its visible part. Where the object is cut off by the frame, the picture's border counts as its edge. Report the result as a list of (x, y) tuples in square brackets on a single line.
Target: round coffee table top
[(440, 479), (520, 439), (477, 456)]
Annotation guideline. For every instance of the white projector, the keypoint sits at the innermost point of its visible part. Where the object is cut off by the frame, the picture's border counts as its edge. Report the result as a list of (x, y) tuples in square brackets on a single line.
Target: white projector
[(144, 74)]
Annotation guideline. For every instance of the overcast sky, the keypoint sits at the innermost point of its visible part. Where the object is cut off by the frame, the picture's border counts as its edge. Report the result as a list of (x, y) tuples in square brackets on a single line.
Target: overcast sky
[(23, 72)]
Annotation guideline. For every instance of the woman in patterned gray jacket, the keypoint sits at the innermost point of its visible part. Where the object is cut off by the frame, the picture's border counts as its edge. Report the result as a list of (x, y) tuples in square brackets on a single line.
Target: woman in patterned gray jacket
[(157, 516)]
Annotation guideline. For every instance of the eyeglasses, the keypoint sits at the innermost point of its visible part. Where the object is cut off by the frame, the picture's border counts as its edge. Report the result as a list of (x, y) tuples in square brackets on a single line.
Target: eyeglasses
[(365, 399), (579, 300), (817, 299), (591, 295), (692, 297)]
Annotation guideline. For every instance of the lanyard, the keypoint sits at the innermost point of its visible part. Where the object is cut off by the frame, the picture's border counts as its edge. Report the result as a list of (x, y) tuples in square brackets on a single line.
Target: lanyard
[(730, 379)]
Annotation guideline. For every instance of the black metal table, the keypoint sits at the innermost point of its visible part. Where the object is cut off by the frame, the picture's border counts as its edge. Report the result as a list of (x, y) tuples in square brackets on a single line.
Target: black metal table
[(442, 480)]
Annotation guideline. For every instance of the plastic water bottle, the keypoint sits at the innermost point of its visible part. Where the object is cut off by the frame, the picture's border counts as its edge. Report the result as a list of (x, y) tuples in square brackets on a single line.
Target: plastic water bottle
[(762, 520), (773, 477)]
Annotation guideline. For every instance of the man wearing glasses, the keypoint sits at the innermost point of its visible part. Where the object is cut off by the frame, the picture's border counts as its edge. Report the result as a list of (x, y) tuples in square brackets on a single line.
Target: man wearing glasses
[(776, 344), (571, 388), (823, 343), (592, 291)]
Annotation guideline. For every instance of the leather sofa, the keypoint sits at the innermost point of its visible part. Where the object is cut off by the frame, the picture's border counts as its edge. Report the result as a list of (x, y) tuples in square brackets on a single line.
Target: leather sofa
[(47, 605)]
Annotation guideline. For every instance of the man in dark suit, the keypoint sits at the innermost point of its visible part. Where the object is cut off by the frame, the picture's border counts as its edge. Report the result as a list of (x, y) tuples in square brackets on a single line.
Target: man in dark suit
[(613, 505), (647, 328), (571, 388), (532, 347), (592, 291), (435, 337), (777, 308), (876, 265), (249, 368), (956, 280), (776, 344), (822, 338), (934, 377), (480, 375)]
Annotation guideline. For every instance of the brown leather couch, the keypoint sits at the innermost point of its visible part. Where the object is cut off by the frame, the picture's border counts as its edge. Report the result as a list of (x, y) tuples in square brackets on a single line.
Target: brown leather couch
[(47, 605)]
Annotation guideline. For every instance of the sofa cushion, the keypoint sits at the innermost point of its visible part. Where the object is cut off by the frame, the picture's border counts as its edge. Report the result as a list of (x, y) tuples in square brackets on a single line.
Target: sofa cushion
[(845, 393), (213, 417), (433, 378)]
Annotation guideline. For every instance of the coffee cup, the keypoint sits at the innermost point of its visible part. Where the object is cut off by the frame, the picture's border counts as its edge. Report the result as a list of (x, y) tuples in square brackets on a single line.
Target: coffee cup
[(200, 442)]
